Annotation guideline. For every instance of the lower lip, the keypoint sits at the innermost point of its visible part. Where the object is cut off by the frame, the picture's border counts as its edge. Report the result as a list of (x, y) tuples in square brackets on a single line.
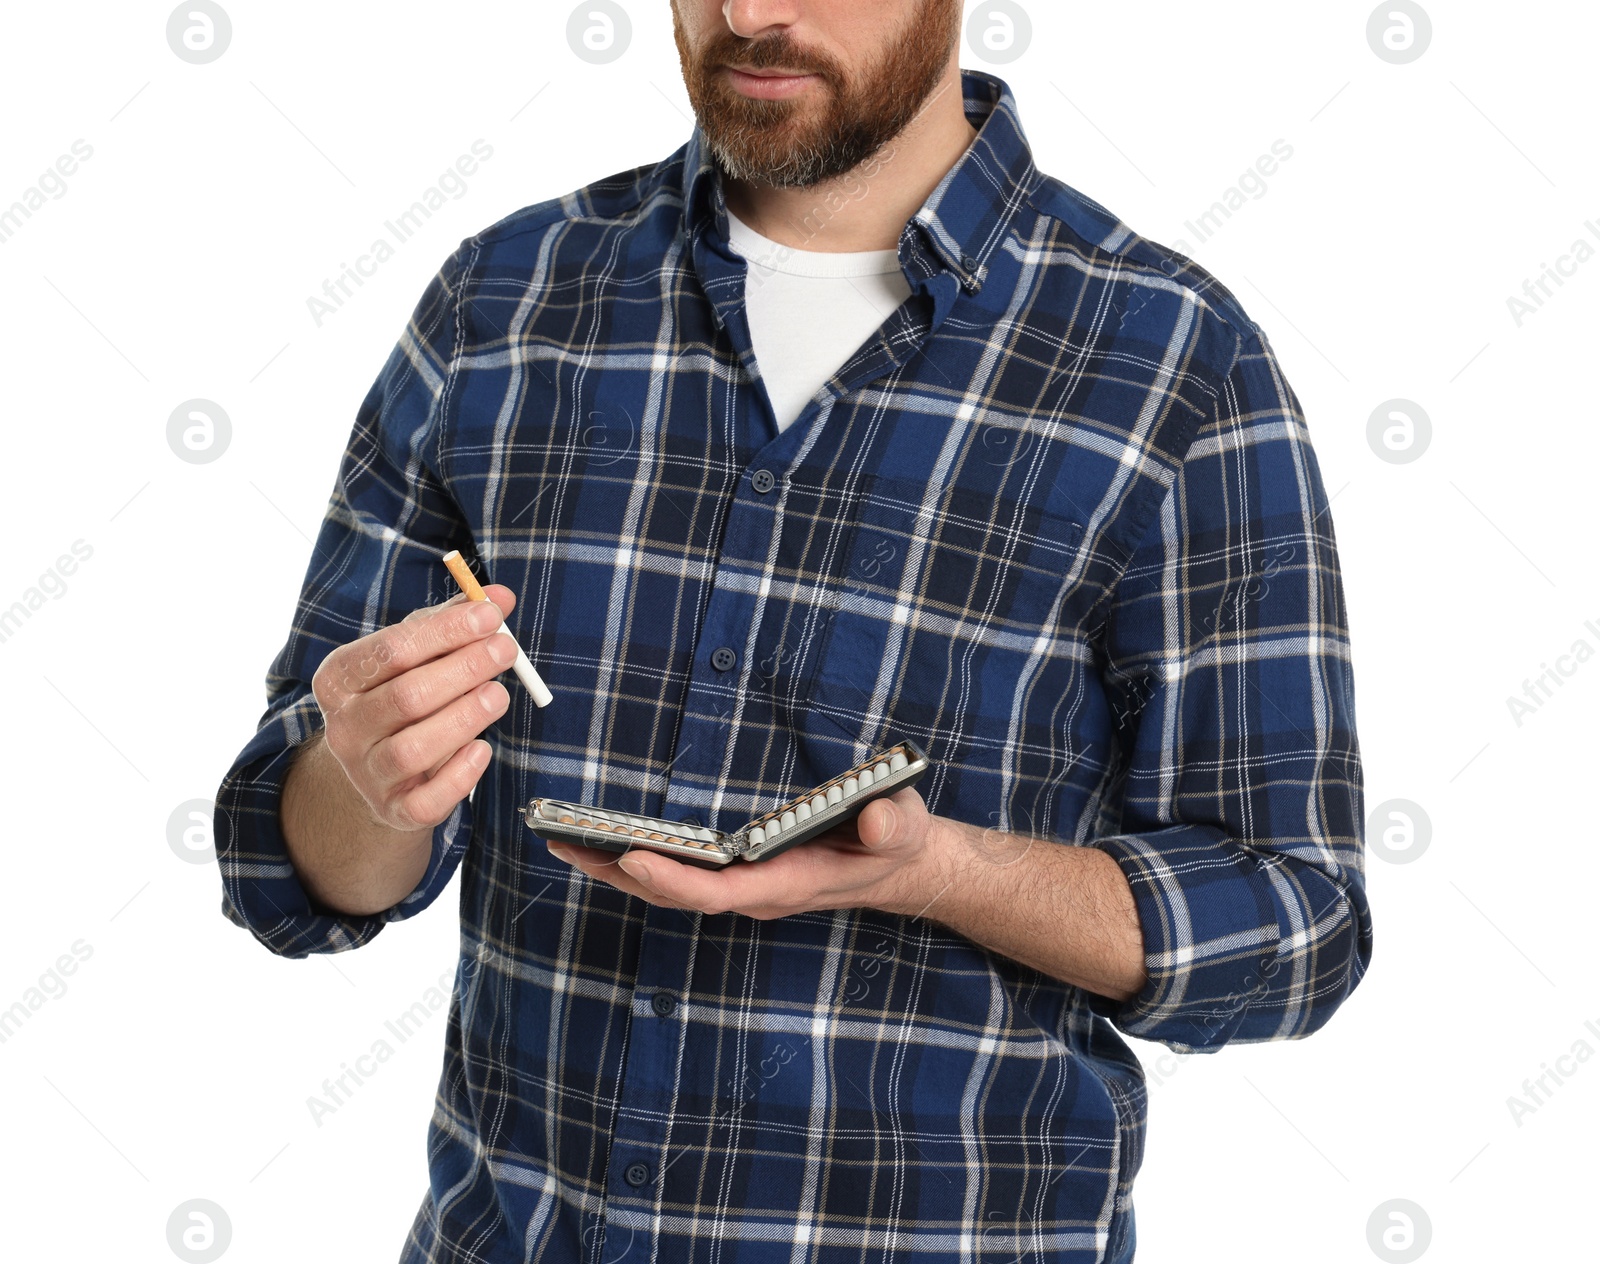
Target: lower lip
[(769, 87)]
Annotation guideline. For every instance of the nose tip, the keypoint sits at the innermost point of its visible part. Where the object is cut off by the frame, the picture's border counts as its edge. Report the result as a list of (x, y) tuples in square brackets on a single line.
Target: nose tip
[(750, 18)]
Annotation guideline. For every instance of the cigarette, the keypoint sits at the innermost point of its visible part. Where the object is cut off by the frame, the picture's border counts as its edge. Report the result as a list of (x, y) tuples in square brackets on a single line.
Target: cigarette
[(523, 668)]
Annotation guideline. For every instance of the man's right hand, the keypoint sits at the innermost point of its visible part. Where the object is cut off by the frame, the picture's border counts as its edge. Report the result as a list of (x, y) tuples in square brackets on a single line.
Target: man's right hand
[(402, 707), (399, 749)]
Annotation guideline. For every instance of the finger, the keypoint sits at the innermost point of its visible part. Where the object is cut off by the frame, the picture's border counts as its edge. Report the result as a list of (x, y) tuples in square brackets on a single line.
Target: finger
[(424, 691), (420, 637), (879, 825), (497, 593), (433, 800), (409, 753), (893, 820), (734, 886), (603, 866)]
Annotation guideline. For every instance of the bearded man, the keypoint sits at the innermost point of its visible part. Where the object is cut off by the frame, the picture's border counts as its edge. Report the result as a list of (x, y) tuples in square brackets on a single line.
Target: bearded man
[(842, 425)]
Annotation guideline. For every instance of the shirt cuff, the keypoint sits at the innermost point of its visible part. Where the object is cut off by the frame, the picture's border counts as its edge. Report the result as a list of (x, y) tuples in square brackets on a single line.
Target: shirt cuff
[(1212, 935), (261, 891)]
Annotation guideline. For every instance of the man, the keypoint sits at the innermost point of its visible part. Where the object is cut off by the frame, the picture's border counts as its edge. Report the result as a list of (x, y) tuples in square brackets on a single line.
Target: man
[(1025, 488)]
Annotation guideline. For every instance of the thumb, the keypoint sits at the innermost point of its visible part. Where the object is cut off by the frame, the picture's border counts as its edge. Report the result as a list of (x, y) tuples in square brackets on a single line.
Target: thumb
[(884, 828)]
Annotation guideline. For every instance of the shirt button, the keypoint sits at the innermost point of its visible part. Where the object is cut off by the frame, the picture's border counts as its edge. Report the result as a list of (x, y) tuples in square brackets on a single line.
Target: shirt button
[(663, 1003), (723, 659), (968, 263), (762, 481), (636, 1175)]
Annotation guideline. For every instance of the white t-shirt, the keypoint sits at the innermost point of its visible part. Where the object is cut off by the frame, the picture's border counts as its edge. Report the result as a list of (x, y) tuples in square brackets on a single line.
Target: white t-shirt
[(810, 311)]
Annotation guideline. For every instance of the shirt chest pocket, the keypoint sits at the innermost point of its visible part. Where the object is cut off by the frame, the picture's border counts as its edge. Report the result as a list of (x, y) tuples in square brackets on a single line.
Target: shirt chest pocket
[(945, 602)]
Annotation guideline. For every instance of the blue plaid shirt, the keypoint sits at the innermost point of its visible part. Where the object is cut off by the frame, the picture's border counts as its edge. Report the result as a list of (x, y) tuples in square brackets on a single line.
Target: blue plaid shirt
[(1059, 521)]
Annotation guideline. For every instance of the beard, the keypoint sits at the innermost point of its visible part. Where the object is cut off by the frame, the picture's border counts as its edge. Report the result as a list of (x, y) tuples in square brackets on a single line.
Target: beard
[(797, 144)]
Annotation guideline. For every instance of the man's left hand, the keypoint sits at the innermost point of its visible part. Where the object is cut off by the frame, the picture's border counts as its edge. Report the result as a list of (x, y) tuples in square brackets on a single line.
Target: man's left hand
[(889, 858)]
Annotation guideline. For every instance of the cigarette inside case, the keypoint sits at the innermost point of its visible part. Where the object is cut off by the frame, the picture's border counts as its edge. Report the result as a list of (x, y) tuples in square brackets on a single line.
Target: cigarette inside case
[(803, 817)]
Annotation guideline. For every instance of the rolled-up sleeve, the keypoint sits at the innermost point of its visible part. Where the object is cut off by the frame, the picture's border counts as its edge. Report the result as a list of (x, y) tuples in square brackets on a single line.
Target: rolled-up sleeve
[(1237, 808), (389, 520)]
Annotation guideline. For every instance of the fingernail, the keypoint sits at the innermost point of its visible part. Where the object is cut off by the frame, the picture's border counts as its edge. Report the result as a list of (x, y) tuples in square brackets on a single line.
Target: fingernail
[(485, 616), (635, 869), (502, 649)]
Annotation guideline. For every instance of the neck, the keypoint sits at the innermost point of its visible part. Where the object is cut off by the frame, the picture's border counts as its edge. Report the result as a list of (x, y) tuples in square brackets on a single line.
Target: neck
[(865, 209)]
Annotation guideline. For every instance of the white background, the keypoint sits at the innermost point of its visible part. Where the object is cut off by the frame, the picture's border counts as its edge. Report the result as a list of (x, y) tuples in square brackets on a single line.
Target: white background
[(177, 265)]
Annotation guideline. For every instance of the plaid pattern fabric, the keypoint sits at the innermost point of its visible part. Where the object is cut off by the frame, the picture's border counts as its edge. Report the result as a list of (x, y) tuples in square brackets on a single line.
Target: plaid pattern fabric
[(1059, 522)]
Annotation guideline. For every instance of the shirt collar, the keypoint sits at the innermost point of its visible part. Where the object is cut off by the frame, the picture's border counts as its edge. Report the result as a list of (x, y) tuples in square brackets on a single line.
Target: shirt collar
[(964, 219)]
